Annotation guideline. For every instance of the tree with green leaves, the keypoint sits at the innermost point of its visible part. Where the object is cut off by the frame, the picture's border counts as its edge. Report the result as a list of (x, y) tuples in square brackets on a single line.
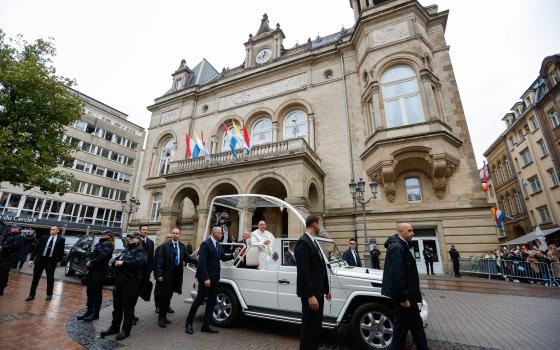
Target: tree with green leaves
[(35, 105)]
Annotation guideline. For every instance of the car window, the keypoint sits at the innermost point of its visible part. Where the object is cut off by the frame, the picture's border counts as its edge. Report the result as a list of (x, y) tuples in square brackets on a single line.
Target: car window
[(86, 243), (288, 257), (331, 251), (70, 240), (119, 244)]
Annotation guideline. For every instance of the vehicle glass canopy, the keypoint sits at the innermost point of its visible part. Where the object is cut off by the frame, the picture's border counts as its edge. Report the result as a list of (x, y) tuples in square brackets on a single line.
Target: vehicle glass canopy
[(331, 251)]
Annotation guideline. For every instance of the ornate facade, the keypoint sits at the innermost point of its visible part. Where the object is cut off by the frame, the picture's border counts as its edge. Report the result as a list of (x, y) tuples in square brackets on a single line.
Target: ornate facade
[(377, 101)]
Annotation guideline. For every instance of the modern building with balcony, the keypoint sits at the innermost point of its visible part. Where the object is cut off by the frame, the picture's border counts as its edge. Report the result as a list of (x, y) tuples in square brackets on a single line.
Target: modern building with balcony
[(377, 101), (525, 159), (105, 165)]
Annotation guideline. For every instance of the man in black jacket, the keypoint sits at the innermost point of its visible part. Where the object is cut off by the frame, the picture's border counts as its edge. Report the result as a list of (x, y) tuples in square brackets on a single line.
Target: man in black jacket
[(454, 255), (208, 276), (312, 284), (168, 272), (148, 245), (130, 267), (46, 256), (401, 283), (352, 256), (10, 245), (98, 266), (157, 252)]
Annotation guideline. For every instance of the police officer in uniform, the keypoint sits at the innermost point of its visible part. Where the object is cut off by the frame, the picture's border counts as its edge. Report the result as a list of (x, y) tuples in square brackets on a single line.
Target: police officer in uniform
[(129, 275), (98, 266), (9, 248)]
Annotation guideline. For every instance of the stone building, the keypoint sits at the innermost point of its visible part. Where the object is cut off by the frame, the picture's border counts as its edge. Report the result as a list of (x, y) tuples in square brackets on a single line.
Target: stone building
[(105, 166), (378, 101), (525, 159)]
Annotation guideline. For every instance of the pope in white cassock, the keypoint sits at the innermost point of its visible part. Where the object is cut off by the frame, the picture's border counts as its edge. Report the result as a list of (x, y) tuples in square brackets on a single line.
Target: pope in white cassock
[(264, 240)]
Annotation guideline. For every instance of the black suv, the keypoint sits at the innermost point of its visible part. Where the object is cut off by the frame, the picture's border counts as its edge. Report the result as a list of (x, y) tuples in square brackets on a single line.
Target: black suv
[(79, 253), (69, 242)]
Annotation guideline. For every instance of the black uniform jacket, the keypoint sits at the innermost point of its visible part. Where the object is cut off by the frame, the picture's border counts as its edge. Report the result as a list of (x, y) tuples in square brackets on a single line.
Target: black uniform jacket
[(400, 275), (58, 252), (209, 261), (133, 268), (312, 279), (101, 255)]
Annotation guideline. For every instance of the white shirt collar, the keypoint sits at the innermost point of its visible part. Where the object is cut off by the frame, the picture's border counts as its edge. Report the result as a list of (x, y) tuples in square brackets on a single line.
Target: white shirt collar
[(213, 240)]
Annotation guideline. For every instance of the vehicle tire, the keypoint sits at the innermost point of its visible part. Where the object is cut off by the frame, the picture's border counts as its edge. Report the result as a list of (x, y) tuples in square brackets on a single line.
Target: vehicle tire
[(68, 270), (372, 326), (227, 308)]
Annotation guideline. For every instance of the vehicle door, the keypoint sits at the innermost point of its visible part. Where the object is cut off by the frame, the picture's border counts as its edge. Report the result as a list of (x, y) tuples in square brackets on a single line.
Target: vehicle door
[(287, 281), (83, 249)]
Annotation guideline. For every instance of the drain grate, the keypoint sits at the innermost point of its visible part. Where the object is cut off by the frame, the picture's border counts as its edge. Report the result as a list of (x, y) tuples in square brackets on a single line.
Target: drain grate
[(15, 317)]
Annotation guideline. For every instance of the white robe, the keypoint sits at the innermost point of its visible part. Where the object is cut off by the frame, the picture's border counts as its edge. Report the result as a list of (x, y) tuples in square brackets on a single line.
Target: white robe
[(265, 255)]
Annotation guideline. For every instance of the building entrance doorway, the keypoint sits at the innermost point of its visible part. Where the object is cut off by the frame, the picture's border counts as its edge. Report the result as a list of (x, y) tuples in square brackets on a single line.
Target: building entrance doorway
[(426, 237)]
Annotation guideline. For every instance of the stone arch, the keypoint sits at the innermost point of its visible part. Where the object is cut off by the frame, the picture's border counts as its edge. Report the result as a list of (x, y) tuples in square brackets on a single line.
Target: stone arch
[(185, 190), (252, 185), (219, 129), (414, 60), (313, 196), (163, 136), (291, 104), (221, 187), (276, 218), (257, 113)]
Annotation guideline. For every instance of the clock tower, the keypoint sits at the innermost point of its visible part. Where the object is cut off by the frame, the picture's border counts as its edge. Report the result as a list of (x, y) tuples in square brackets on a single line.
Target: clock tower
[(265, 46)]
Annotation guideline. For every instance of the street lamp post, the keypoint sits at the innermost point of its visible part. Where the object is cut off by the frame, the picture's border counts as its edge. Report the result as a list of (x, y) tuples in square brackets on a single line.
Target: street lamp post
[(129, 207), (357, 190)]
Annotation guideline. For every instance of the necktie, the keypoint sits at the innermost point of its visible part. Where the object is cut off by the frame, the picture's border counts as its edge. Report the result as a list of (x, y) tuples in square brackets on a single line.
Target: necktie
[(217, 249), (176, 254), (49, 247), (317, 247), (355, 258)]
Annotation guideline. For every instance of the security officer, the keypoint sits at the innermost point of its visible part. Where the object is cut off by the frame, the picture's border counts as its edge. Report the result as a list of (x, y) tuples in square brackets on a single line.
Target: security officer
[(129, 275), (10, 245), (98, 266)]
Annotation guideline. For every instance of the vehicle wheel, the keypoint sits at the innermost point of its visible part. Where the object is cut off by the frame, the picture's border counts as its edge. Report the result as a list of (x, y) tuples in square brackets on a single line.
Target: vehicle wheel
[(372, 326), (226, 311), (68, 270)]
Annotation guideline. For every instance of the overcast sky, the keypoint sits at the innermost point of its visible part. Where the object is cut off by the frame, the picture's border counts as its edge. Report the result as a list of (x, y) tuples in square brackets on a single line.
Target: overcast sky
[(123, 52)]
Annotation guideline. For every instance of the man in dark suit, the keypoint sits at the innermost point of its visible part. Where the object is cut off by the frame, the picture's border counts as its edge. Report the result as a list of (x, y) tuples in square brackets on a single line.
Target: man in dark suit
[(46, 256), (402, 285), (208, 275), (312, 284), (10, 245), (157, 252), (454, 255), (289, 257), (351, 255), (148, 246), (168, 272)]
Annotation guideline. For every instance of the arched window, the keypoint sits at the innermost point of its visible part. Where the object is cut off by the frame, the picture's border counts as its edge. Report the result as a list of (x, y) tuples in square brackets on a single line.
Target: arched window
[(401, 97), (261, 132), (502, 172), (156, 206), (167, 155), (517, 201), (508, 167), (413, 191), (497, 175), (225, 140), (511, 205), (295, 125)]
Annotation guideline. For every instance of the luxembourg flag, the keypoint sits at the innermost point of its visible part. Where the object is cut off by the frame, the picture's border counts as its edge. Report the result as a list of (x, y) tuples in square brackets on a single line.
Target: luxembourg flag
[(499, 216), (200, 144), (232, 141), (243, 139), (192, 148)]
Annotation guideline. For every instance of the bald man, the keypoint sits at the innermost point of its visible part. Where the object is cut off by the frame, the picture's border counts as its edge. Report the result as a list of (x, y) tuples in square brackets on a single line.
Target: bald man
[(402, 285)]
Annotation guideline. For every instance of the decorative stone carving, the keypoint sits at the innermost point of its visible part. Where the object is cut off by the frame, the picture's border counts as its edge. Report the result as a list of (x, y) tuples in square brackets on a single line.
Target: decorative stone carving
[(390, 191), (169, 116), (261, 92), (390, 33)]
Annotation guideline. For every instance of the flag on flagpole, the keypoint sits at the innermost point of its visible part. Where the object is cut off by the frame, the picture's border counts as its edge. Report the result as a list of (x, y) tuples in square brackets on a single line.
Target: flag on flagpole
[(200, 144), (525, 185), (499, 216), (247, 140), (484, 178), (192, 148), (232, 141), (240, 138)]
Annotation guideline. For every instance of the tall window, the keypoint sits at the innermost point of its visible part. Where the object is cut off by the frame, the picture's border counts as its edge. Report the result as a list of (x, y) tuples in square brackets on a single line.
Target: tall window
[(534, 123), (261, 132), (542, 147), (156, 206), (553, 177), (544, 215), (167, 155), (413, 191), (401, 97), (554, 118), (535, 184), (502, 172), (508, 167), (526, 155), (517, 200), (497, 174), (511, 205), (295, 125)]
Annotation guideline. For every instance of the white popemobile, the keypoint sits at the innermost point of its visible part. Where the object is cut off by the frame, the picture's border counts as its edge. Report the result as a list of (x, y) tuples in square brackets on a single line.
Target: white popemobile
[(271, 293)]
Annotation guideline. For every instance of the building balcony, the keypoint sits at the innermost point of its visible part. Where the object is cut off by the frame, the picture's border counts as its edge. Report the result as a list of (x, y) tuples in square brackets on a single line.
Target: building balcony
[(277, 151)]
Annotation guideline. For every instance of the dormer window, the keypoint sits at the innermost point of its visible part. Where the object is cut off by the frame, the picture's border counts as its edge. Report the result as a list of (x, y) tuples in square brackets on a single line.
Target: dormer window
[(555, 77), (178, 84)]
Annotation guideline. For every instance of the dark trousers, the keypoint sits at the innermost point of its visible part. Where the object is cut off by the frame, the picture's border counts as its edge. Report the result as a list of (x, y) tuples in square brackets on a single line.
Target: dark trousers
[(429, 264), (203, 292), (95, 279), (5, 266), (41, 264), (456, 268), (405, 319), (311, 323), (125, 296)]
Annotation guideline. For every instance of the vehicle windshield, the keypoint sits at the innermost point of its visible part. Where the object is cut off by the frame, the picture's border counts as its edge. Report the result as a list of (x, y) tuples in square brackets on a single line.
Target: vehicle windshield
[(70, 240), (331, 252)]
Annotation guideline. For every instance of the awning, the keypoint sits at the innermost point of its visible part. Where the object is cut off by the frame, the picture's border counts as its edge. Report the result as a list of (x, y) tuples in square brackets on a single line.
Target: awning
[(531, 236)]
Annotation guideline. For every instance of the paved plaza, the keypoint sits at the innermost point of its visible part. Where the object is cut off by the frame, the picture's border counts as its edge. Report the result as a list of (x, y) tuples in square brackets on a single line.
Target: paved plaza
[(458, 320)]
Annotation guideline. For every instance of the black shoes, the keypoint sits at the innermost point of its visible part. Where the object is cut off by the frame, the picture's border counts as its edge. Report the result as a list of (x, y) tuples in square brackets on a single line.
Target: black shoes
[(135, 320), (209, 329), (91, 317), (188, 328), (170, 310), (162, 323), (29, 298), (84, 316), (48, 298), (157, 310), (122, 335), (109, 331)]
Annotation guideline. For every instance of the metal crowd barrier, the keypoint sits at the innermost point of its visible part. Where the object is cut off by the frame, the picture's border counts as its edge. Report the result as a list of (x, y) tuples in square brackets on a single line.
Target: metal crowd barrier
[(512, 270)]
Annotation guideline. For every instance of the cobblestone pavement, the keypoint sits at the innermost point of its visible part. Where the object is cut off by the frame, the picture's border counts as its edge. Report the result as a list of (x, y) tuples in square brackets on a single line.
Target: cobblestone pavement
[(458, 320)]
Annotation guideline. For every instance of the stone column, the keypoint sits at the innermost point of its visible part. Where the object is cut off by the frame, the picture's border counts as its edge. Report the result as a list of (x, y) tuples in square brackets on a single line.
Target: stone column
[(311, 130), (430, 97), (379, 120), (274, 131), (168, 221), (202, 211)]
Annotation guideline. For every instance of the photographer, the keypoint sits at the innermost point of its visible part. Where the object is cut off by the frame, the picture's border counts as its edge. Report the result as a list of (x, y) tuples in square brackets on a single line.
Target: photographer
[(9, 248), (224, 223)]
